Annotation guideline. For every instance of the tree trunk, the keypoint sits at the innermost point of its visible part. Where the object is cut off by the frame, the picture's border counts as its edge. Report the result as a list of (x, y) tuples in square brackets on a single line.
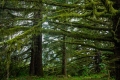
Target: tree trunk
[(117, 49), (8, 65), (116, 29), (38, 56), (36, 67), (64, 58), (32, 61), (98, 60)]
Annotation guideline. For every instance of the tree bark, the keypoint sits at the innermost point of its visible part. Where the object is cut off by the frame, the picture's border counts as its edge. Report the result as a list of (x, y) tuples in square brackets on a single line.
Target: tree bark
[(116, 35), (31, 72), (36, 67), (64, 72), (117, 49), (97, 61), (64, 57), (38, 56)]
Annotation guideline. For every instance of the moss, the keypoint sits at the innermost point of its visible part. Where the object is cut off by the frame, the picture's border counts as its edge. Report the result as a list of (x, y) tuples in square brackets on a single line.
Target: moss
[(71, 15), (111, 9)]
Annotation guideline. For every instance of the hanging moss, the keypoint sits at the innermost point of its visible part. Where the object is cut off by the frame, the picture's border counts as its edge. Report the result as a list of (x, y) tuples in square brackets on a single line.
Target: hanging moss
[(111, 9), (109, 6), (71, 15)]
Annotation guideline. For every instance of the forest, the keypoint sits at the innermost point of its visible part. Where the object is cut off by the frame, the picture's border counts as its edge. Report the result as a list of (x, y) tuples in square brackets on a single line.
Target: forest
[(59, 39)]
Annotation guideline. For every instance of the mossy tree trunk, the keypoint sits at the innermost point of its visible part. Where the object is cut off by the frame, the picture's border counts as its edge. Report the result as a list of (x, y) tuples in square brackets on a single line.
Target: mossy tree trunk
[(98, 60), (64, 55), (36, 56), (116, 29), (36, 67), (8, 65), (64, 72)]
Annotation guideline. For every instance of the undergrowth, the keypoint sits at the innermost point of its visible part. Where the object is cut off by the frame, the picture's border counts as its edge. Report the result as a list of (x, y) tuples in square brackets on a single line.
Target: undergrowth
[(91, 77)]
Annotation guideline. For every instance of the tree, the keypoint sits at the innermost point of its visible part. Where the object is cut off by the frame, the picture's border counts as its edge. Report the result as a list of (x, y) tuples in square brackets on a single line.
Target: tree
[(98, 60), (36, 67), (89, 18), (116, 36), (88, 26)]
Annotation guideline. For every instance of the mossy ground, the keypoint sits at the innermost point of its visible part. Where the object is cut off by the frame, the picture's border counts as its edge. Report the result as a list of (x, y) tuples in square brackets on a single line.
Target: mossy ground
[(92, 77)]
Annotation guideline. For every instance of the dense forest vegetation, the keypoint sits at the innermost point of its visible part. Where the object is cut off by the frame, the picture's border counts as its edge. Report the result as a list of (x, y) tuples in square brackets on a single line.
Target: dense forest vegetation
[(60, 39)]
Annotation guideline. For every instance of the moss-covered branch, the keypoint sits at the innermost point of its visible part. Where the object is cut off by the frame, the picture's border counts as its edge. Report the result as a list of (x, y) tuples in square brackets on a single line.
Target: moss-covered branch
[(109, 6), (80, 25), (13, 30), (91, 46), (54, 3), (79, 35), (74, 15)]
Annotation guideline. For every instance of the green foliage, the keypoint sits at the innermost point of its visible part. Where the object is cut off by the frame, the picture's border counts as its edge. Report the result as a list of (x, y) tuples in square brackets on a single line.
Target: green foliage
[(86, 71), (85, 24), (91, 77)]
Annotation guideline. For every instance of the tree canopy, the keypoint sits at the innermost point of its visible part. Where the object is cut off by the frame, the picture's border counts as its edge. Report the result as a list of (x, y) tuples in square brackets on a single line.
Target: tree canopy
[(60, 37)]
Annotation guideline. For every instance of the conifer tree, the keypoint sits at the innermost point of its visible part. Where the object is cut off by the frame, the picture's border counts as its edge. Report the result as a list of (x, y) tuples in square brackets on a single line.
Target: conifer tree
[(36, 52), (88, 22)]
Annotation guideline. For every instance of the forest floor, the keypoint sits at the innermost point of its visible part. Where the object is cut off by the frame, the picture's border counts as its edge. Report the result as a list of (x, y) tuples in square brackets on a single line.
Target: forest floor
[(96, 77)]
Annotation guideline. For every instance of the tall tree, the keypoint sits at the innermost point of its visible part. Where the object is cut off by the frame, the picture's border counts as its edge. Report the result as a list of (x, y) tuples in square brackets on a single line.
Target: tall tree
[(114, 9), (116, 35), (36, 67), (64, 54), (89, 20), (64, 57)]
